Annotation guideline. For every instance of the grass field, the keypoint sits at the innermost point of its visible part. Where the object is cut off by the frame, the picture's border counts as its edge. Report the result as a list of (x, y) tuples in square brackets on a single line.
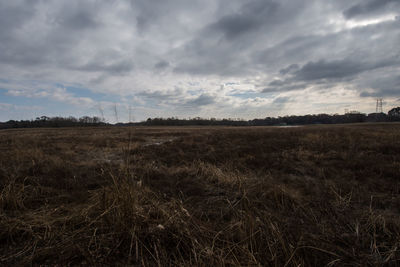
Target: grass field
[(263, 196)]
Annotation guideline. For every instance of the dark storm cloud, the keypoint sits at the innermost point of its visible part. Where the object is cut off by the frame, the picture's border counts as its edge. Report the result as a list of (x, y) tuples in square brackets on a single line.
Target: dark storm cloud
[(371, 7)]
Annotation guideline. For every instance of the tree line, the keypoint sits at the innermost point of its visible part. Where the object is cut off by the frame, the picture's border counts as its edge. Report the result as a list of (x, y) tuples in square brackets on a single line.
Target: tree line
[(392, 115), (45, 121)]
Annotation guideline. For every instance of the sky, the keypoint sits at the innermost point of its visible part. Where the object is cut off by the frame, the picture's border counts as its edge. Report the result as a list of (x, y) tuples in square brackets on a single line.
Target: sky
[(131, 60)]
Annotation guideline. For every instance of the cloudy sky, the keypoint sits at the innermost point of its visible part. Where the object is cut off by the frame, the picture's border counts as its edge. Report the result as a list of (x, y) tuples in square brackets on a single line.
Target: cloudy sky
[(208, 58)]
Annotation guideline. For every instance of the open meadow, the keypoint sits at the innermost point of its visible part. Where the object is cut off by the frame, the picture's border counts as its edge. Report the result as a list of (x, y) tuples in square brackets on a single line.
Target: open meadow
[(196, 196)]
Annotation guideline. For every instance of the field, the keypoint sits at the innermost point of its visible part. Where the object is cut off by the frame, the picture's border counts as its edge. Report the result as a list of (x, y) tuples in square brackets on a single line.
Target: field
[(216, 196)]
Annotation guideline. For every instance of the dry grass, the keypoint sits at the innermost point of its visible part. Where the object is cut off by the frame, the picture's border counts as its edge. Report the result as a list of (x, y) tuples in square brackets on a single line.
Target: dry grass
[(307, 196)]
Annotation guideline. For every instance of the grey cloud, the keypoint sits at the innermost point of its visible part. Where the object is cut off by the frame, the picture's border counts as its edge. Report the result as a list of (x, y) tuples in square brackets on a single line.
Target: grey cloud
[(314, 72), (161, 65), (177, 98), (14, 14), (366, 55), (223, 66), (284, 86), (119, 67), (233, 44), (163, 14), (372, 43), (75, 16), (329, 70), (202, 100), (251, 17), (23, 57), (278, 45), (293, 49), (224, 47), (289, 69), (277, 83), (80, 20), (371, 7), (381, 86), (148, 13), (69, 38), (281, 100), (49, 38), (235, 25), (338, 69), (326, 73), (378, 93), (162, 95)]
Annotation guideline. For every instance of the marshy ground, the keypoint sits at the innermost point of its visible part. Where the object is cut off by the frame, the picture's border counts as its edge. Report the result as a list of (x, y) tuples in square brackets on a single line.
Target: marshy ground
[(194, 196)]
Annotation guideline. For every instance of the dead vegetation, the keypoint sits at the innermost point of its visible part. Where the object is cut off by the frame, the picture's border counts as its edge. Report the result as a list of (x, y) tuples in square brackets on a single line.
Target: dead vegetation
[(306, 196)]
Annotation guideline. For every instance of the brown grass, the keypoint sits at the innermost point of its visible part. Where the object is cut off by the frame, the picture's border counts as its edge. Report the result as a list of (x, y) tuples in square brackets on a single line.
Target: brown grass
[(265, 196)]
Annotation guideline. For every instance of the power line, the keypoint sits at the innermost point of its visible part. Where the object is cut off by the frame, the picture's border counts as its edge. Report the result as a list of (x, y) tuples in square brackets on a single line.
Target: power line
[(379, 105)]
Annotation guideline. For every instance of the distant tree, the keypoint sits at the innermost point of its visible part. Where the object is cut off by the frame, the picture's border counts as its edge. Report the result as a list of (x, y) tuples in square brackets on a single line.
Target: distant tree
[(96, 120), (394, 112)]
